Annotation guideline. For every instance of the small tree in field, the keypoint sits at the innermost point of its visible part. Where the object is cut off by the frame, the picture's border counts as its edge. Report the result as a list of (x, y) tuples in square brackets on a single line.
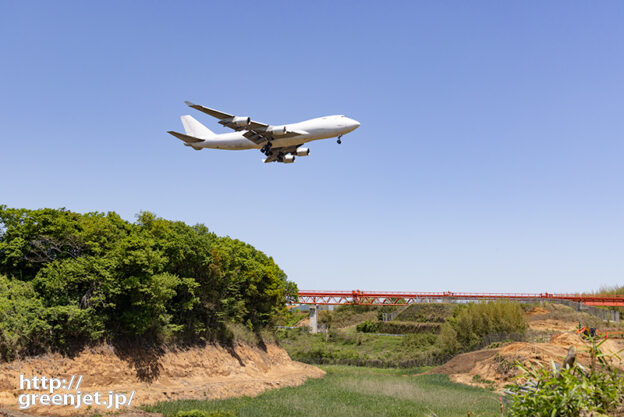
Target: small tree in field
[(326, 318)]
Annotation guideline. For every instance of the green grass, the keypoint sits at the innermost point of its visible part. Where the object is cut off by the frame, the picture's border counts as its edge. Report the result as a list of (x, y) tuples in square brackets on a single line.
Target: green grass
[(345, 346), (349, 315), (356, 392), (342, 347), (427, 313)]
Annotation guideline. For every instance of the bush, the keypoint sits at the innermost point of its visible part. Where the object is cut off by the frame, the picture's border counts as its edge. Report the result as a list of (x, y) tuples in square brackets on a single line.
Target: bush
[(23, 328), (471, 322), (447, 339), (368, 326), (569, 391)]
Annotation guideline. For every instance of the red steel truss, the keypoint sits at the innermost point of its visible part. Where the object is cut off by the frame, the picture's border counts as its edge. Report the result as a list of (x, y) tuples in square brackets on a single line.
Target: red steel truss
[(395, 298)]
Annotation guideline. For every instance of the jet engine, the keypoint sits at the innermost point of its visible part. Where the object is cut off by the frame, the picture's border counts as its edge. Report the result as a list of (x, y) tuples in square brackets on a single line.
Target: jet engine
[(289, 159), (241, 121), (276, 130), (302, 151)]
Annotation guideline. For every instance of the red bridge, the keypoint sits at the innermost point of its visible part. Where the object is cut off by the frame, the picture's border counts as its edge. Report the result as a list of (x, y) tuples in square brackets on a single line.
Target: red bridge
[(390, 298)]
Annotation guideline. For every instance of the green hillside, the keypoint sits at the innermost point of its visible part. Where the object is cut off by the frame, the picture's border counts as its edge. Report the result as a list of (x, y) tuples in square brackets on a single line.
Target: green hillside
[(420, 334)]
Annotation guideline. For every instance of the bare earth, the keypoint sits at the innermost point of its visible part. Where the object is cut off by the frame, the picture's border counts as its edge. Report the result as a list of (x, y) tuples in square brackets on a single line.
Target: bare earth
[(211, 372), (497, 365)]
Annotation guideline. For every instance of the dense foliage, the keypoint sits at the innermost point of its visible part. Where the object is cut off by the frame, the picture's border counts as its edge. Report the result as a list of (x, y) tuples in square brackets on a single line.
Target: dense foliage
[(427, 313), (67, 279), (471, 322), (396, 327)]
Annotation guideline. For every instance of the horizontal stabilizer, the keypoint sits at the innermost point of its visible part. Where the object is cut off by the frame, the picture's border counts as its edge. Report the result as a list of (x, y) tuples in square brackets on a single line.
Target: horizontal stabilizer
[(185, 138)]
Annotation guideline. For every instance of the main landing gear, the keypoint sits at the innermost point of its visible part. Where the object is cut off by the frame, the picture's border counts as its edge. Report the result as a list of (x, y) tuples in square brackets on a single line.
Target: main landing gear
[(267, 149), (339, 141)]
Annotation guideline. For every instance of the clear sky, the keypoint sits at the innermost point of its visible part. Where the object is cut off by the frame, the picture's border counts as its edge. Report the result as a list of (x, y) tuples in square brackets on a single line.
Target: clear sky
[(489, 157)]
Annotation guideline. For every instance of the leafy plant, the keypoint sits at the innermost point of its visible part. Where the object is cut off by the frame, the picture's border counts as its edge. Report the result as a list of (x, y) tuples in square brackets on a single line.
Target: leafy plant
[(470, 324), (570, 390), (368, 326)]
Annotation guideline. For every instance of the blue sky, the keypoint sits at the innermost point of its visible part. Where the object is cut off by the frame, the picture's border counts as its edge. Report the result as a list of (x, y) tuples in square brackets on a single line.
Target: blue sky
[(489, 156)]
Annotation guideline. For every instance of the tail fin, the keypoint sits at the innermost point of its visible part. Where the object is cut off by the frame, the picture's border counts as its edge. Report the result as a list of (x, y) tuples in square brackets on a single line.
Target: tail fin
[(193, 128)]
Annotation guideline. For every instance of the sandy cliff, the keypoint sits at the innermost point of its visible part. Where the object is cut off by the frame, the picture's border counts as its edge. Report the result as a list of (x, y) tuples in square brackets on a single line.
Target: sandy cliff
[(196, 373)]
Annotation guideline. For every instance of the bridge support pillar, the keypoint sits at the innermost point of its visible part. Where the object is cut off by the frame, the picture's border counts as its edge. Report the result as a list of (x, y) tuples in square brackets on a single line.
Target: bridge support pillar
[(313, 319)]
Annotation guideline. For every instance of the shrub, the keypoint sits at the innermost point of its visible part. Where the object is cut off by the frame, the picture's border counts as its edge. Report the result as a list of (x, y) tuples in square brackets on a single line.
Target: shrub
[(23, 328), (368, 326), (447, 339), (471, 322), (571, 390)]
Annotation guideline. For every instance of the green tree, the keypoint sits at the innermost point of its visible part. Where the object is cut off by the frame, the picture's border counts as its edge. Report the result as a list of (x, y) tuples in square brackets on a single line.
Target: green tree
[(94, 276)]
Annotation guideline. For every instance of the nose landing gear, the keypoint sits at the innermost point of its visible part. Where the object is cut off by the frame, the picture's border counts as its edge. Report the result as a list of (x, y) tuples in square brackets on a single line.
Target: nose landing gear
[(339, 141)]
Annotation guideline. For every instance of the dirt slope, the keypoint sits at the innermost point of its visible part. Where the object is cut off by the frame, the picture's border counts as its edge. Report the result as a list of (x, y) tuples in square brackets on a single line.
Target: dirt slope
[(197, 373), (497, 365)]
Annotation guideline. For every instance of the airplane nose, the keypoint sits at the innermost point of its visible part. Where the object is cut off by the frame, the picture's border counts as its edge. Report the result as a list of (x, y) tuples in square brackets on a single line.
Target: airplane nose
[(355, 124)]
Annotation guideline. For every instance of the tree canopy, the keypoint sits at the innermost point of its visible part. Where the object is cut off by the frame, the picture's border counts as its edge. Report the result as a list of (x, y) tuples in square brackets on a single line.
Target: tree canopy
[(68, 279)]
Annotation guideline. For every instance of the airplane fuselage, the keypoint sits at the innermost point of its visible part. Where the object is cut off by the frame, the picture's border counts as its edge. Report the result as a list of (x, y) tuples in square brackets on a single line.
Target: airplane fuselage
[(279, 143), (313, 129)]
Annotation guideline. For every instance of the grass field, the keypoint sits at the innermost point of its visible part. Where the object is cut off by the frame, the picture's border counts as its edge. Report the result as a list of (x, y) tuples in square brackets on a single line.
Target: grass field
[(344, 346), (356, 392), (349, 348)]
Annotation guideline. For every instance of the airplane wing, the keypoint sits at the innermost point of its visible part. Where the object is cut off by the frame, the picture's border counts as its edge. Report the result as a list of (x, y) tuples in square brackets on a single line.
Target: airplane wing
[(227, 119), (259, 137), (258, 133)]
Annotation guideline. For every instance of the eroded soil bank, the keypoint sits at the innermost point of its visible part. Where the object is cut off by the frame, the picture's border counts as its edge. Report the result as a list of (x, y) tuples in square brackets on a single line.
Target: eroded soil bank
[(496, 367), (210, 372)]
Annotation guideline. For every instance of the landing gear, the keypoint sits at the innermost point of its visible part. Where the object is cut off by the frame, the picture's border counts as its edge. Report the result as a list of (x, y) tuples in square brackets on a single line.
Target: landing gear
[(266, 149), (339, 141)]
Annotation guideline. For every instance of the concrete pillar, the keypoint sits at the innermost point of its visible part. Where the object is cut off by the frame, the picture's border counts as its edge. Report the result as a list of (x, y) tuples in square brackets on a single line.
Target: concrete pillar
[(313, 319)]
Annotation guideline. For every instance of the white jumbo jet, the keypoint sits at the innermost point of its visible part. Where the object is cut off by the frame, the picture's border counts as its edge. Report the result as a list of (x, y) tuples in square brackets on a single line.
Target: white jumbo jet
[(278, 143)]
